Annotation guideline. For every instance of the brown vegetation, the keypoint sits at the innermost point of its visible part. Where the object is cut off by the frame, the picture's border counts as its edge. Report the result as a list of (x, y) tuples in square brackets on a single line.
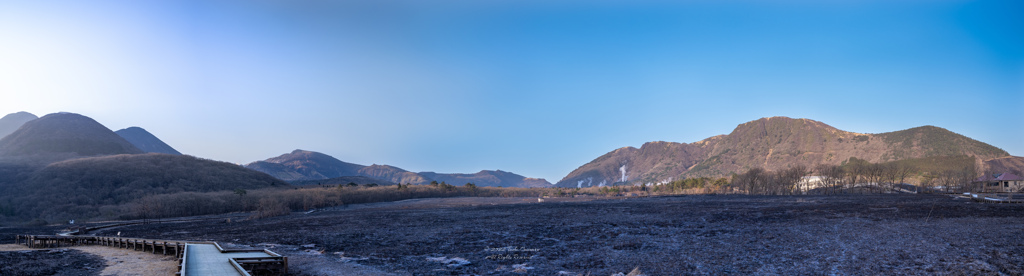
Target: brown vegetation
[(779, 143)]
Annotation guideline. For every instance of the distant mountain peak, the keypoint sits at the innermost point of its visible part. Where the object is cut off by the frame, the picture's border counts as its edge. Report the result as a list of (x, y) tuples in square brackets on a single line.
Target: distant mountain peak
[(305, 165), (145, 141), (64, 133), (11, 122)]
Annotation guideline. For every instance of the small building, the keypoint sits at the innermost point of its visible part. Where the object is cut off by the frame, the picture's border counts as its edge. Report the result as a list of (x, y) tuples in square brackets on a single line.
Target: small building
[(811, 182), (1001, 183)]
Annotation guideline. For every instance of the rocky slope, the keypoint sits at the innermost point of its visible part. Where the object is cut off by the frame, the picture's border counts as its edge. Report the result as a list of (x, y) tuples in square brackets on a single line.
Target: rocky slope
[(771, 143)]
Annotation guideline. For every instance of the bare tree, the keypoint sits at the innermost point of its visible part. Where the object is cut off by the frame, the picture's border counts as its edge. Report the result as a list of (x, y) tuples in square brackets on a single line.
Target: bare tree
[(902, 171), (831, 177)]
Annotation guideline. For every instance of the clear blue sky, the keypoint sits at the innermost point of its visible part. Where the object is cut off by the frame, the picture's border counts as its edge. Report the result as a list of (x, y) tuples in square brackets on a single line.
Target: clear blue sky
[(533, 87)]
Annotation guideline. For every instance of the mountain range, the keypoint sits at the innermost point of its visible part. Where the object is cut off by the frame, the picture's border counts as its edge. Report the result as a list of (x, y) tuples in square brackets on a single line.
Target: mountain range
[(775, 143), (63, 134), (66, 164), (301, 165)]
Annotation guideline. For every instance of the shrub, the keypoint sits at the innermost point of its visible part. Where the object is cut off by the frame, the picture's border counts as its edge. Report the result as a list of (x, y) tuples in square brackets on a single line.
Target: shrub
[(270, 207)]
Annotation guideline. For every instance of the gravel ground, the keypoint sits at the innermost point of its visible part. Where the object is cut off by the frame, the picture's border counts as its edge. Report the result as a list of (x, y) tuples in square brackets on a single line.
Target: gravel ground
[(123, 262), (708, 234)]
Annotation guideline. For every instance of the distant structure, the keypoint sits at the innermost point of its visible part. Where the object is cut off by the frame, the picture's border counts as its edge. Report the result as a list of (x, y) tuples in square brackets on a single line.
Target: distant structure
[(811, 182), (1001, 183)]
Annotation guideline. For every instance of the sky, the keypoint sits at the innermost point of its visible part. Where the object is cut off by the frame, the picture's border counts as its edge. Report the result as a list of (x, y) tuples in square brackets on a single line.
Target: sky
[(535, 87)]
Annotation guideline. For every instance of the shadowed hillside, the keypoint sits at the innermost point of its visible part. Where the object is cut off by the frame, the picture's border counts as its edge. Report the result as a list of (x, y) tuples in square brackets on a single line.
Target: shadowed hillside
[(772, 143), (145, 141), (81, 187)]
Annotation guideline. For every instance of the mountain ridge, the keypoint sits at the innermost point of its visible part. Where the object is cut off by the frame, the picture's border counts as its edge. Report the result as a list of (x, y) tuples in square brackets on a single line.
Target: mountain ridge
[(772, 143), (302, 165)]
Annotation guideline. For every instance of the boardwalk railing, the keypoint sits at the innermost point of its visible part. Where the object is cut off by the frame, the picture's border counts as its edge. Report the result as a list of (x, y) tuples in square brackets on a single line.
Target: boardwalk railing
[(272, 264), (997, 197), (164, 247)]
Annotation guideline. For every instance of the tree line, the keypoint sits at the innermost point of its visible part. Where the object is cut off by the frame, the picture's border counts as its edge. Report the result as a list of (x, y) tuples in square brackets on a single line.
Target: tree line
[(854, 176)]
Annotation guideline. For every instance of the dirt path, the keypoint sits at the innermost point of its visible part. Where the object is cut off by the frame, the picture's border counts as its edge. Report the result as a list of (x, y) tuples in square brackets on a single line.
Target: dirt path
[(123, 262), (13, 247)]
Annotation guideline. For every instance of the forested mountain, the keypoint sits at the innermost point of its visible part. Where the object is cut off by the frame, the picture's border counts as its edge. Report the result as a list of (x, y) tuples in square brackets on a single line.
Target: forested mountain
[(64, 134), (488, 178), (145, 141), (305, 165), (81, 187), (300, 165), (772, 143), (344, 180), (11, 122), (66, 165)]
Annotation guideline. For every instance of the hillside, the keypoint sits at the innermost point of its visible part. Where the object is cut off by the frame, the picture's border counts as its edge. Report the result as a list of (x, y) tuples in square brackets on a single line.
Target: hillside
[(81, 187), (145, 141), (301, 165), (1011, 164), (344, 180), (64, 134), (393, 174), (11, 122), (489, 179), (771, 143), (305, 165)]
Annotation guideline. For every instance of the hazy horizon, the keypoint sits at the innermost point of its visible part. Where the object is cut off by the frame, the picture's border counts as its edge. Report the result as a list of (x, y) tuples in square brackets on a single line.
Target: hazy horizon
[(529, 87)]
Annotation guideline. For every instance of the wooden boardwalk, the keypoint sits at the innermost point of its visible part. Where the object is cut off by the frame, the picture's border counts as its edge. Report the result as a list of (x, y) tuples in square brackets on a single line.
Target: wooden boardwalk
[(996, 197), (195, 258), (210, 259)]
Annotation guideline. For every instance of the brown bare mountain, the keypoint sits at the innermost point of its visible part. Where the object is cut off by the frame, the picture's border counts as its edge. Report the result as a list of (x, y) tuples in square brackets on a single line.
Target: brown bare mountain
[(302, 166), (11, 122), (771, 143), (64, 134), (489, 178)]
